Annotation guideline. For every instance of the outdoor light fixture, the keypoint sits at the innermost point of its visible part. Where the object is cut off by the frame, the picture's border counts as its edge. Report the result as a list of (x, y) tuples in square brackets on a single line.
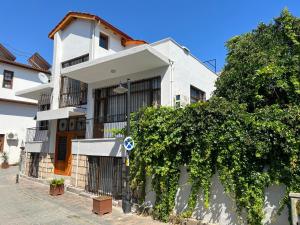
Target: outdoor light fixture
[(120, 89)]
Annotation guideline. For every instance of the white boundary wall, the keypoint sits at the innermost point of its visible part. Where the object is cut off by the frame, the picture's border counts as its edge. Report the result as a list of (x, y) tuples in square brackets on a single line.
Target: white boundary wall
[(222, 209)]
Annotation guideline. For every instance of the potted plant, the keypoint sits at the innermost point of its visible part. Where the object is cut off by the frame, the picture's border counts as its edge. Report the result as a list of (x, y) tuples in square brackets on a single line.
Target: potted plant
[(57, 187), (4, 157)]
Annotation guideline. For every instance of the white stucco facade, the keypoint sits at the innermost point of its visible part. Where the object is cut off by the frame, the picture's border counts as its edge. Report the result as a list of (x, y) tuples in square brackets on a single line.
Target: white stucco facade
[(178, 69), (16, 113)]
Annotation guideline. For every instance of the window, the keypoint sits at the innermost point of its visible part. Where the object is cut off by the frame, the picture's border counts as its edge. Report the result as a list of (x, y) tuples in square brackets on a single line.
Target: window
[(111, 107), (103, 42), (197, 95), (8, 79), (75, 61), (43, 125)]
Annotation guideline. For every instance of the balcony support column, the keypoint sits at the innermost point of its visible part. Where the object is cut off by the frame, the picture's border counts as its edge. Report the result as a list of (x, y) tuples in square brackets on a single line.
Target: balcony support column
[(90, 113)]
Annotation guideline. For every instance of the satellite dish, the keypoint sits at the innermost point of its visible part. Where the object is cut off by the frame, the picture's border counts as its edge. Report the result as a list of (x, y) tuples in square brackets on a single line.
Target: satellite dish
[(43, 78)]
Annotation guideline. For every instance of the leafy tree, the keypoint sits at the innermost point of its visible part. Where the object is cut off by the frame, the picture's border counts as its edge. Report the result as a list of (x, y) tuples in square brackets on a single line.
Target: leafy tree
[(249, 132), (263, 66)]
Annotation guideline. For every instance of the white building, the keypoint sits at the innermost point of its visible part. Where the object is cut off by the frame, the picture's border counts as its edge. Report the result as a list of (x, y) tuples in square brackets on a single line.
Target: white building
[(90, 58), (80, 107), (17, 113)]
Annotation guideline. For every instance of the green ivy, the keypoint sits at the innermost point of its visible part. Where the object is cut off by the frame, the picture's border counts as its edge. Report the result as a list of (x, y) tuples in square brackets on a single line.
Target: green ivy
[(248, 133), (250, 151)]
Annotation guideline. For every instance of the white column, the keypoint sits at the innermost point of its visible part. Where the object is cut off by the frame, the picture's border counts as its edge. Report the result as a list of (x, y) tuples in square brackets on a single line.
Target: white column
[(90, 113), (56, 66)]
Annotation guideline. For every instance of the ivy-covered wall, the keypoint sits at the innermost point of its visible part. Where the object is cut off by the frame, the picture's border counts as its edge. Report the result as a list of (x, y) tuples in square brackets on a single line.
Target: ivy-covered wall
[(249, 151), (248, 133)]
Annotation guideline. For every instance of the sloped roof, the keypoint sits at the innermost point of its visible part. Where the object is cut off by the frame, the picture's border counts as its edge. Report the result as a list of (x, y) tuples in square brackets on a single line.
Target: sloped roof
[(25, 66), (71, 16), (6, 54)]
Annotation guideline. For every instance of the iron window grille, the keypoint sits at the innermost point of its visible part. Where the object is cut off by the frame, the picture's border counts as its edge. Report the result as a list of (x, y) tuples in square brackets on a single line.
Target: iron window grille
[(110, 107), (75, 61), (72, 93), (196, 95)]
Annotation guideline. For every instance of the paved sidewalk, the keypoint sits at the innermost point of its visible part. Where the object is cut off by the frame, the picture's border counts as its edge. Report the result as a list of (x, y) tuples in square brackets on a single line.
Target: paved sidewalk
[(29, 203)]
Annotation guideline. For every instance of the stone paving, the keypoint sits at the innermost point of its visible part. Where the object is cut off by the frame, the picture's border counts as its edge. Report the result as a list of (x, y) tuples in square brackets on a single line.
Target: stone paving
[(30, 203)]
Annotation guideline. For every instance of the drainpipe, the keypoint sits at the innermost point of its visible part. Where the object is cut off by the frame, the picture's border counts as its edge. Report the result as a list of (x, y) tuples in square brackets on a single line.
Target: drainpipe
[(77, 162), (171, 81)]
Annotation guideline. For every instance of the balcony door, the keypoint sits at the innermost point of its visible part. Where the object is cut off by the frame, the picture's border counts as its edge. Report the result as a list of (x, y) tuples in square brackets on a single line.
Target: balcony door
[(68, 129)]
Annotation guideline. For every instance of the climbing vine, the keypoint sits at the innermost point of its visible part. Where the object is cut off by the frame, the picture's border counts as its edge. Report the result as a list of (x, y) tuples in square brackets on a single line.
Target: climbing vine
[(250, 151), (248, 133)]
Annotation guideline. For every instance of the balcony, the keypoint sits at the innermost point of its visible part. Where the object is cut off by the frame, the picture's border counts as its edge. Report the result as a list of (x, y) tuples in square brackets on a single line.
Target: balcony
[(37, 139), (72, 93), (117, 65)]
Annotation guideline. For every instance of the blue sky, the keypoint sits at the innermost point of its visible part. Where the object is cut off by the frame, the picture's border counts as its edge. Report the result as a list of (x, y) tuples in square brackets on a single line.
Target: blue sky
[(202, 26)]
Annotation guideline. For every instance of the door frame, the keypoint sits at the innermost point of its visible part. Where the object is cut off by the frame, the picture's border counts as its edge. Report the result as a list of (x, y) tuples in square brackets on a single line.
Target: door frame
[(68, 160)]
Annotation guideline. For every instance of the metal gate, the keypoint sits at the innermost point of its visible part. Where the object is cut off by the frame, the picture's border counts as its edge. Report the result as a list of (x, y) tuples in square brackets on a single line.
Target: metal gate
[(105, 176), (34, 164)]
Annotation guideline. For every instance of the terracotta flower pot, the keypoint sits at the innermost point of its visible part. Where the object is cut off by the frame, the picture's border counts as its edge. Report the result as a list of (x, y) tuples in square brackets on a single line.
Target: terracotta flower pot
[(102, 205), (4, 165), (57, 190)]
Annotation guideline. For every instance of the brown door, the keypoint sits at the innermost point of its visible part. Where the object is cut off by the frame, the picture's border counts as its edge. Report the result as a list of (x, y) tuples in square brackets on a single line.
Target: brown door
[(63, 156), (1, 142)]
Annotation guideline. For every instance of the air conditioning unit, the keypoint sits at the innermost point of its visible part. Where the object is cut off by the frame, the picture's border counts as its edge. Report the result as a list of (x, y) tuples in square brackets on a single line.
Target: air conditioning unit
[(12, 136), (181, 101)]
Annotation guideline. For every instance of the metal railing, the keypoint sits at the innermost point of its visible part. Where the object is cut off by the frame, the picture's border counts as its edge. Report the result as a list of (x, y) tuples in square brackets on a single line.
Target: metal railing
[(44, 101), (104, 176), (107, 130), (37, 134), (72, 93), (73, 98)]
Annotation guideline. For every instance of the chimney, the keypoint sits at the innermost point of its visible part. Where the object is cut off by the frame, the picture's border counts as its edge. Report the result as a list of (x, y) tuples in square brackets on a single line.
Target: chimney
[(6, 54), (38, 62)]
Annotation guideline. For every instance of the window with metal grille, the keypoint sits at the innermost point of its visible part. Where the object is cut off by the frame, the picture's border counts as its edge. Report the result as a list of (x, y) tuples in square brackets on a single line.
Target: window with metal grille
[(8, 79), (104, 176), (111, 106), (75, 61), (72, 93), (196, 95), (43, 105)]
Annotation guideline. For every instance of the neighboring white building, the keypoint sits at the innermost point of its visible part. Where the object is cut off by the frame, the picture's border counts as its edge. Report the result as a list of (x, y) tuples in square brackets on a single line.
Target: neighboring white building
[(90, 58), (16, 113)]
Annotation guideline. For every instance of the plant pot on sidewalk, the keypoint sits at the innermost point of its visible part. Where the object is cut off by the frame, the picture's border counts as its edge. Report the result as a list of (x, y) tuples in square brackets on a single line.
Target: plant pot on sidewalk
[(4, 164), (102, 205), (57, 187)]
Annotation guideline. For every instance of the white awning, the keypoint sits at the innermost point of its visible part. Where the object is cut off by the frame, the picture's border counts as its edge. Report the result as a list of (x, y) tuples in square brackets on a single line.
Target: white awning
[(35, 92), (60, 113), (129, 61)]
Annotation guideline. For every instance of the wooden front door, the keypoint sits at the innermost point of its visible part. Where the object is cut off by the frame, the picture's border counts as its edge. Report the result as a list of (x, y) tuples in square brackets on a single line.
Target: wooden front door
[(63, 156), (68, 129)]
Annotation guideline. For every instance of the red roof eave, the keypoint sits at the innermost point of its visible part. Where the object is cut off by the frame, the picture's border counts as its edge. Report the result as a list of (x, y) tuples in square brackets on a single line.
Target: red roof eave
[(13, 63), (79, 15)]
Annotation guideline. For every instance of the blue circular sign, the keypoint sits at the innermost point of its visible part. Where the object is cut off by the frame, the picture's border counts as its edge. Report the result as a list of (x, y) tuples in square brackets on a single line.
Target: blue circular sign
[(128, 143)]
